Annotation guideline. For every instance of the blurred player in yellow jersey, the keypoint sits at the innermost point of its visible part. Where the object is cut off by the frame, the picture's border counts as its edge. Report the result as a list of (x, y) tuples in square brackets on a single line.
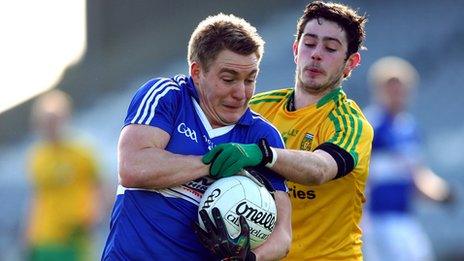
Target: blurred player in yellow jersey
[(327, 137), (63, 174)]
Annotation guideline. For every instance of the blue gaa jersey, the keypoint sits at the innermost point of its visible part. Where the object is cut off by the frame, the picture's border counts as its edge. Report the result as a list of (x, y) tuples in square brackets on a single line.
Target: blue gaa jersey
[(157, 224), (395, 150)]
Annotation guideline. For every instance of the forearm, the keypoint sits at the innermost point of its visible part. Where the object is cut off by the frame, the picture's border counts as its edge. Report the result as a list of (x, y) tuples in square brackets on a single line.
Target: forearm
[(278, 244), (157, 168), (431, 185), (305, 167)]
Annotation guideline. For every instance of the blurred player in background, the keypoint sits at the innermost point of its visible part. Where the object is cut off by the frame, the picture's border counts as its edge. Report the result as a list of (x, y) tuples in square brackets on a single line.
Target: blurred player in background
[(397, 168), (63, 172), (327, 137), (170, 124)]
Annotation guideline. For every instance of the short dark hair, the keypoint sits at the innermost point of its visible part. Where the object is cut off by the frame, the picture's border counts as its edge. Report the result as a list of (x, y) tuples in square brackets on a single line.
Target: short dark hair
[(343, 15), (220, 32)]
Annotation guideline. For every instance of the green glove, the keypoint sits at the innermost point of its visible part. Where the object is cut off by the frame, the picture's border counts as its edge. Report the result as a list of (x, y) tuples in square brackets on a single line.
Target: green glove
[(229, 158)]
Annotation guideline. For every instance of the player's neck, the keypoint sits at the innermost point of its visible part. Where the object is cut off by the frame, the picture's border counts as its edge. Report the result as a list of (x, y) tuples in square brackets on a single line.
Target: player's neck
[(304, 98)]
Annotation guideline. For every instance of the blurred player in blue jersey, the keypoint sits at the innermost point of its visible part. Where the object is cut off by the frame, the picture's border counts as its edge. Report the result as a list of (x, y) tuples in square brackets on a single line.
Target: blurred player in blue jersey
[(397, 170), (170, 124)]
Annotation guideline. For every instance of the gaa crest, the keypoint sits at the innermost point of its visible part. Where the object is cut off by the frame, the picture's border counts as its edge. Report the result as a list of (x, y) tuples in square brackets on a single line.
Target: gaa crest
[(307, 141)]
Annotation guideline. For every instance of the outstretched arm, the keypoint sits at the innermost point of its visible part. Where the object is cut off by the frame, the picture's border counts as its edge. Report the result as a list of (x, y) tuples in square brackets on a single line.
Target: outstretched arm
[(305, 167), (144, 162), (431, 185)]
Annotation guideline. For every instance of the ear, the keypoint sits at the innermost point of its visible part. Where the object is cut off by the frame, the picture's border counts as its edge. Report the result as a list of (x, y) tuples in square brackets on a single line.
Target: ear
[(353, 61), (195, 71), (295, 51)]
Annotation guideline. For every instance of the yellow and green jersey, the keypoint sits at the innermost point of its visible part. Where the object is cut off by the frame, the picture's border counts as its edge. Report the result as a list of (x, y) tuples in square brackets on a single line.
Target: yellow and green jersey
[(326, 217), (64, 177)]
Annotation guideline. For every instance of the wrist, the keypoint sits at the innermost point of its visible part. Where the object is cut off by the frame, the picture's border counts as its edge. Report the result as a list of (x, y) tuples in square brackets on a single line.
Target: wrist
[(274, 158), (269, 154)]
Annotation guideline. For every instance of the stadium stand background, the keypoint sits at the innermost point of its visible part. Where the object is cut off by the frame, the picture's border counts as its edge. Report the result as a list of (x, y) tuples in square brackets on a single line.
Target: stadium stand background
[(132, 41)]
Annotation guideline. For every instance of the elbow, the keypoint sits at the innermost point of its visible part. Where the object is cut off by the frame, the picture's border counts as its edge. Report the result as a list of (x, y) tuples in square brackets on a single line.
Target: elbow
[(319, 177), (314, 177), (287, 242), (127, 177), (135, 176), (322, 173), (285, 238), (126, 180)]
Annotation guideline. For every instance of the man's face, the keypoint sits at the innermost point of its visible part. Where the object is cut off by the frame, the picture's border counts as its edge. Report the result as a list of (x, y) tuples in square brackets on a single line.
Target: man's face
[(51, 125), (226, 87), (320, 56), (394, 95)]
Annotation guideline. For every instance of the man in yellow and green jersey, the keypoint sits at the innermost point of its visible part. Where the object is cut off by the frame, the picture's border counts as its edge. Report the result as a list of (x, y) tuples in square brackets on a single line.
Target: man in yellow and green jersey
[(325, 217), (64, 176), (63, 209), (328, 139)]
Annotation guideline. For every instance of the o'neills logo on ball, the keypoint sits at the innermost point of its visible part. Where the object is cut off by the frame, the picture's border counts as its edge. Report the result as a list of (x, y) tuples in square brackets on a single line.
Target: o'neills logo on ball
[(257, 233), (264, 219)]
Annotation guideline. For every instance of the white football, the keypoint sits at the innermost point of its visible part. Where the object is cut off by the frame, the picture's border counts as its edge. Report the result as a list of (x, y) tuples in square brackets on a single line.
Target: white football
[(242, 195)]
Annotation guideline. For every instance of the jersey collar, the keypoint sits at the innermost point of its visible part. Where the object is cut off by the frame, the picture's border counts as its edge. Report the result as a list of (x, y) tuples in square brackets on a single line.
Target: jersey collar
[(191, 88), (333, 95)]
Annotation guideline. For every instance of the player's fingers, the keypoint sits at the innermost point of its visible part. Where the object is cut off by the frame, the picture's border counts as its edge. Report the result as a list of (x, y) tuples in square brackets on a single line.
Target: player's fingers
[(244, 227), (197, 228), (220, 225), (209, 226), (231, 168), (202, 234), (221, 162), (209, 157)]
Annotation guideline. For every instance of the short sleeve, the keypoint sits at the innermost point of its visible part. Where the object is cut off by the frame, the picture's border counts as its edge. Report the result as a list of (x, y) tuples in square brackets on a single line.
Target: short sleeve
[(154, 104), (351, 132)]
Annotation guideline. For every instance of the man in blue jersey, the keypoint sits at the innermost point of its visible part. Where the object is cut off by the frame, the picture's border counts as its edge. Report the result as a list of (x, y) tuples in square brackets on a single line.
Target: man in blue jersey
[(391, 230), (170, 124)]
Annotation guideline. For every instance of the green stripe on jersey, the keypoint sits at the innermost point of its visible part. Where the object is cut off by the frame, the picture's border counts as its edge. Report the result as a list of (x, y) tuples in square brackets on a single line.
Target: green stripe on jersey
[(336, 124), (276, 93), (352, 127), (332, 95), (256, 101)]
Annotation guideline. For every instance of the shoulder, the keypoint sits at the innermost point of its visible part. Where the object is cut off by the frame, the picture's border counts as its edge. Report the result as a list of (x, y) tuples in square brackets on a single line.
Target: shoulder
[(157, 96), (161, 86), (348, 111), (262, 128), (154, 91), (271, 96), (347, 126), (258, 121)]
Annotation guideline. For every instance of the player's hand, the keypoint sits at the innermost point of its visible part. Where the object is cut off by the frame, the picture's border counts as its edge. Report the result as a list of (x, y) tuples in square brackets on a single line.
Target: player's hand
[(217, 239), (229, 158)]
